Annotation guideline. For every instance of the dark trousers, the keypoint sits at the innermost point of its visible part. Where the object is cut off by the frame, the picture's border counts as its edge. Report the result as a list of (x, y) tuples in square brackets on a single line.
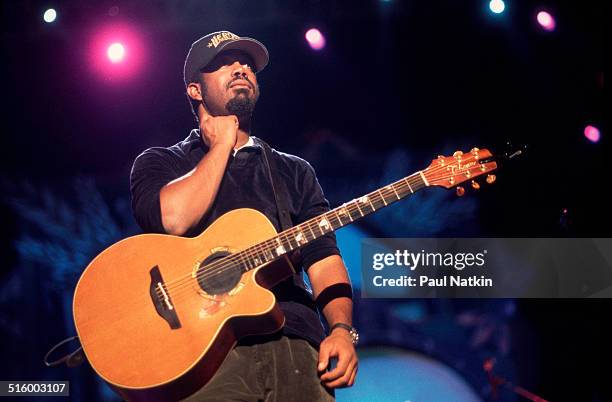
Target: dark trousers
[(278, 370)]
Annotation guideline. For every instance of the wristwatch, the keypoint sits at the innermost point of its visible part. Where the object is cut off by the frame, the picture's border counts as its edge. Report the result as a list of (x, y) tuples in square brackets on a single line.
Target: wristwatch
[(351, 330)]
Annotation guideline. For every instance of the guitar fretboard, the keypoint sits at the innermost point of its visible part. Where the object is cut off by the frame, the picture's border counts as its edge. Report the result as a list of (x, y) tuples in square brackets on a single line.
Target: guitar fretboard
[(304, 233)]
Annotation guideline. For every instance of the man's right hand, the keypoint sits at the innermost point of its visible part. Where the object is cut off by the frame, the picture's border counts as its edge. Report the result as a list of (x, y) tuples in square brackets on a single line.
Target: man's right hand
[(185, 200), (219, 130)]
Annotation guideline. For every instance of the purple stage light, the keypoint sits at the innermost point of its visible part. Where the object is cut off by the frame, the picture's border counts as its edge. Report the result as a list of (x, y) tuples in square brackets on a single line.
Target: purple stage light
[(315, 39), (546, 21), (592, 133), (116, 52)]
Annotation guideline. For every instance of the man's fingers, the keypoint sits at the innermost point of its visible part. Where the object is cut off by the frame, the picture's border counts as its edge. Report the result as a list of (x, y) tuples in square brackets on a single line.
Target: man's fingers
[(344, 379), (324, 352), (344, 360), (352, 379)]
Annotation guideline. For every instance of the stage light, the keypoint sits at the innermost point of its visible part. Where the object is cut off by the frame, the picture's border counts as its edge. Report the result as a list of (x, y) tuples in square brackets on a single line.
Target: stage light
[(592, 133), (497, 6), (546, 21), (116, 52), (315, 39), (50, 15)]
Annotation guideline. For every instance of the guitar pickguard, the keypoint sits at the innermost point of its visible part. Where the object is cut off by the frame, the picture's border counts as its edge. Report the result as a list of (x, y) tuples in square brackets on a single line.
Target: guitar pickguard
[(211, 304)]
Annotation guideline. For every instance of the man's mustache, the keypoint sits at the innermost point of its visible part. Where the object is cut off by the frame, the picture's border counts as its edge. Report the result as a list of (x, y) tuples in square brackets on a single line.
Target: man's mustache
[(241, 79)]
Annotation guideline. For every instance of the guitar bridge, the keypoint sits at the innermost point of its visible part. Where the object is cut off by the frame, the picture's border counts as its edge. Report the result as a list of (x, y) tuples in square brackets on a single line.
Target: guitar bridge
[(161, 299)]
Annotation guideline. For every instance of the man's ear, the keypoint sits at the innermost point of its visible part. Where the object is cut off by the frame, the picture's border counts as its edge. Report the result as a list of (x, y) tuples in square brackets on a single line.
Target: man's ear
[(194, 91)]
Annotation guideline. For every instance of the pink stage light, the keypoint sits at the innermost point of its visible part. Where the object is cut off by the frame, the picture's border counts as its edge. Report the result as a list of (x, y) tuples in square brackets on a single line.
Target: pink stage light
[(592, 133), (116, 52), (315, 39), (546, 21)]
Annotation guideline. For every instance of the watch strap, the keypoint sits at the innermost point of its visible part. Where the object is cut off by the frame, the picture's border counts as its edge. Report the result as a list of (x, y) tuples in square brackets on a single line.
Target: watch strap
[(351, 330), (341, 325)]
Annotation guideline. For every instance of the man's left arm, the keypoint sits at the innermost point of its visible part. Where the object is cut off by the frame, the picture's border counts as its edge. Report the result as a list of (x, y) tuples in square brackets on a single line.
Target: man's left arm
[(327, 275)]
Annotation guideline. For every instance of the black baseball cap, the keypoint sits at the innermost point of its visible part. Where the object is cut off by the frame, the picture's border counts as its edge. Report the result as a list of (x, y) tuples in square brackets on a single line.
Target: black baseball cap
[(207, 47)]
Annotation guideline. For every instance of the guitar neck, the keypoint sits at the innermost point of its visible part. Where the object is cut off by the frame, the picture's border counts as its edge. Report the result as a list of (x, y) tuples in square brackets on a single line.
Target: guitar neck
[(304, 233)]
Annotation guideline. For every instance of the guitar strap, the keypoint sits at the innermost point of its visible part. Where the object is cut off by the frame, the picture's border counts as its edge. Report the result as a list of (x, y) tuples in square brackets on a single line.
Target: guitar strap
[(282, 207), (282, 204)]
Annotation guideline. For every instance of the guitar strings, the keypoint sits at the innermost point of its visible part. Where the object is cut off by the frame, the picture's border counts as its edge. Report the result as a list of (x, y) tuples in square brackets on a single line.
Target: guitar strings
[(223, 265), (173, 288), (230, 262)]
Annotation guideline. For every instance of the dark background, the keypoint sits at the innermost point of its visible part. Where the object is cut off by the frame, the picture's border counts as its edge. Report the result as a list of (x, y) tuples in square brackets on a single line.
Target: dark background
[(398, 83)]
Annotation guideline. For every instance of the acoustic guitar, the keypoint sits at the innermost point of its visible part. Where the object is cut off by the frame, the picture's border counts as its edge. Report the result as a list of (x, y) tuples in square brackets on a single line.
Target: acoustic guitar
[(157, 314)]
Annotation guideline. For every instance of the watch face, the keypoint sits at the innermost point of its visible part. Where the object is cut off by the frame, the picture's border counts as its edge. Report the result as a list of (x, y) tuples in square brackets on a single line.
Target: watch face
[(354, 335)]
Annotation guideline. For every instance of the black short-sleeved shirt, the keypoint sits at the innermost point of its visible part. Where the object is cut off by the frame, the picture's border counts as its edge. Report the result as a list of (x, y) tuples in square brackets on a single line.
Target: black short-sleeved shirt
[(245, 184)]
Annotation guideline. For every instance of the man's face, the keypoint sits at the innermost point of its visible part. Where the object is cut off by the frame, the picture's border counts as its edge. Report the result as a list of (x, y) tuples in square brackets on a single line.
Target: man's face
[(230, 85)]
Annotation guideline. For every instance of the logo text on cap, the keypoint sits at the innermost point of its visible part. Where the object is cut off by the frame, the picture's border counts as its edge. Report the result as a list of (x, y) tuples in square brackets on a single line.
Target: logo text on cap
[(221, 37)]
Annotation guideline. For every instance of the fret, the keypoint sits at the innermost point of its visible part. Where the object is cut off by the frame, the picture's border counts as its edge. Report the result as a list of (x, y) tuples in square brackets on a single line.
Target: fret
[(300, 239), (347, 212), (242, 261), (311, 232), (408, 183), (423, 178), (320, 226), (323, 224), (245, 262), (382, 197), (280, 248), (335, 211), (359, 209), (393, 188), (363, 200), (369, 199), (286, 238), (286, 241)]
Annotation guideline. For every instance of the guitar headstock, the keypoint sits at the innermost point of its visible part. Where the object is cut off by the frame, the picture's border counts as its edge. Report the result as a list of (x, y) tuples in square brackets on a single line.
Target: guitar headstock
[(450, 171)]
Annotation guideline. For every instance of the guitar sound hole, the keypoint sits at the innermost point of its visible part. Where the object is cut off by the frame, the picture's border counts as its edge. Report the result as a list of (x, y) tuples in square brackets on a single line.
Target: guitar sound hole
[(218, 278)]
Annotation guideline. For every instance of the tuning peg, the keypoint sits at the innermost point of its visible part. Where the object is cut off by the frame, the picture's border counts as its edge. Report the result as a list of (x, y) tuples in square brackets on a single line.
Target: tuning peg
[(475, 185), (460, 191), (491, 178), (458, 154)]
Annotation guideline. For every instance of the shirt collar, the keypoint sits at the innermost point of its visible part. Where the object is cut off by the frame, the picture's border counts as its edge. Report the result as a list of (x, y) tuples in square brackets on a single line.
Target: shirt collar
[(194, 140), (249, 144)]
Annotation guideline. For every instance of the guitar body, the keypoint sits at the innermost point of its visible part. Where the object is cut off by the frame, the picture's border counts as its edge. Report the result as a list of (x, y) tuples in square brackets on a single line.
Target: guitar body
[(146, 355)]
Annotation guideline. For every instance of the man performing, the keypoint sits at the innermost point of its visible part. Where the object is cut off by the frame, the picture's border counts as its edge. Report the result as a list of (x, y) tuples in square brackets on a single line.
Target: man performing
[(182, 189)]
